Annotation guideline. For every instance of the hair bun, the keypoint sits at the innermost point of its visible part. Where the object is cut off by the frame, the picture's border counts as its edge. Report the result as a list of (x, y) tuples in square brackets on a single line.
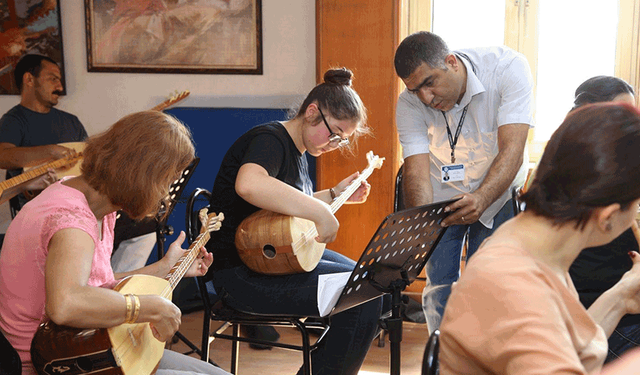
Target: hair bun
[(338, 77)]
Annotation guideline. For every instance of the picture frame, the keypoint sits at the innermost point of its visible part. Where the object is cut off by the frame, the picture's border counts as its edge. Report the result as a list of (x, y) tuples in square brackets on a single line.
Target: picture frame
[(28, 27), (174, 36)]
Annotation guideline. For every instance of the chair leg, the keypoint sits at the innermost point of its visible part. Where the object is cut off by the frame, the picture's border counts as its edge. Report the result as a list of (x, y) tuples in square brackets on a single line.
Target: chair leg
[(206, 331), (306, 348), (381, 338), (235, 349)]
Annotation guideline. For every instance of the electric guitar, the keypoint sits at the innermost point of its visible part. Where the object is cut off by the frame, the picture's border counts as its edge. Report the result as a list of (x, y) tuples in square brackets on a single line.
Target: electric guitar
[(276, 244), (128, 349)]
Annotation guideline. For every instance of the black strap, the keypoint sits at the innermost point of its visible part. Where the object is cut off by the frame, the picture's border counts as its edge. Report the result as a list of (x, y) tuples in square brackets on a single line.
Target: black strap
[(454, 140)]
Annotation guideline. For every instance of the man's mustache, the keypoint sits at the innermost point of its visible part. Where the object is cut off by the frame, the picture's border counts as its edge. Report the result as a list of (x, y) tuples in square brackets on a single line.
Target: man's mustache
[(57, 92)]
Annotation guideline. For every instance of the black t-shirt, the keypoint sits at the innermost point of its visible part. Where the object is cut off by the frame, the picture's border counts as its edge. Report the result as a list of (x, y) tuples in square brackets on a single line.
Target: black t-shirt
[(270, 146), (599, 268)]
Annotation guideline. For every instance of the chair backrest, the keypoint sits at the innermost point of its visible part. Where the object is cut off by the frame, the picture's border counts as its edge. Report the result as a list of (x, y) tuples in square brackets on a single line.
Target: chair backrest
[(192, 224), (398, 199), (518, 205), (430, 359), (10, 363)]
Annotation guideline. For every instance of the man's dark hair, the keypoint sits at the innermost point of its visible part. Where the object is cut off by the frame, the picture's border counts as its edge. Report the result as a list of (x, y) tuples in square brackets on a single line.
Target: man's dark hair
[(29, 64), (600, 89), (417, 48)]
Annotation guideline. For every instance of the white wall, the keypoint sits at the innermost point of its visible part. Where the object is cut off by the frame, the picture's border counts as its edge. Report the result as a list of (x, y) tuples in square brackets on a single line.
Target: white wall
[(100, 99)]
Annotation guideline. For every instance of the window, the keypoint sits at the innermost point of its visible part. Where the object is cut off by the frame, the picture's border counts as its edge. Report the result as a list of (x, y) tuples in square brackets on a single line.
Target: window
[(565, 41)]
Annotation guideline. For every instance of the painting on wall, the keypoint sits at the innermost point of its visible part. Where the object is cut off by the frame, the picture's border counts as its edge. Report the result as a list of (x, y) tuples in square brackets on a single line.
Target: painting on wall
[(28, 26), (174, 36)]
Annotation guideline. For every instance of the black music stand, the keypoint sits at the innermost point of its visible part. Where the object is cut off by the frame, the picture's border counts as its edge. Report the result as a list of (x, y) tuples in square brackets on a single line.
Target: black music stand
[(392, 260), (175, 191)]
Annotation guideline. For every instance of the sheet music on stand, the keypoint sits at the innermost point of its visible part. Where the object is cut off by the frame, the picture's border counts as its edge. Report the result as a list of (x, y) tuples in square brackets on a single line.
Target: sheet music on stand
[(399, 249)]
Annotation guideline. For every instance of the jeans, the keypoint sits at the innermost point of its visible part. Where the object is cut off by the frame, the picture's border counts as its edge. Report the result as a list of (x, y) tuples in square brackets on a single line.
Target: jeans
[(351, 332), (173, 363), (622, 339), (443, 267)]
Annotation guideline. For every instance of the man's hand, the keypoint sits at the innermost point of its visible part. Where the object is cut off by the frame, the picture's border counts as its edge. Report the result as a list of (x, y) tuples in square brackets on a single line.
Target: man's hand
[(59, 152), (466, 210)]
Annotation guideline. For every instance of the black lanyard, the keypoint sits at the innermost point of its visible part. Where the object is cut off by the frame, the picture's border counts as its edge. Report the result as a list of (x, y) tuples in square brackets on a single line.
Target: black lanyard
[(454, 140)]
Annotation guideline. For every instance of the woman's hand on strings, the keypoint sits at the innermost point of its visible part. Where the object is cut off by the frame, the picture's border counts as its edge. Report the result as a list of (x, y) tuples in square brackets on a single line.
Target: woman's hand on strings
[(199, 266), (360, 195)]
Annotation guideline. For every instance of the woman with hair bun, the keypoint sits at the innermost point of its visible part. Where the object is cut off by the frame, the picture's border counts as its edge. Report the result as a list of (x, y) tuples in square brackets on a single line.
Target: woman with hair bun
[(266, 168), (515, 309)]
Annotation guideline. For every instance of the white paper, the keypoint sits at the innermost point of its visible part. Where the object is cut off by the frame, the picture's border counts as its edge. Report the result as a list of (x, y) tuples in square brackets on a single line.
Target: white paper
[(329, 289)]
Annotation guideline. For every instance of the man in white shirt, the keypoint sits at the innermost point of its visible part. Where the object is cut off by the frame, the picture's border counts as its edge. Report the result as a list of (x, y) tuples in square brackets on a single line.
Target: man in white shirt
[(463, 122)]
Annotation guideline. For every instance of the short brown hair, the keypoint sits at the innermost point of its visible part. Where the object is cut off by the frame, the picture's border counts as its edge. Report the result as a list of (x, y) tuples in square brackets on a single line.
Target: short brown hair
[(591, 161), (135, 161)]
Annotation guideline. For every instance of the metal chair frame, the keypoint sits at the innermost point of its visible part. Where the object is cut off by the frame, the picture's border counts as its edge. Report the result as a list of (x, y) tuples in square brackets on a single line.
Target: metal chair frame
[(430, 364), (215, 309)]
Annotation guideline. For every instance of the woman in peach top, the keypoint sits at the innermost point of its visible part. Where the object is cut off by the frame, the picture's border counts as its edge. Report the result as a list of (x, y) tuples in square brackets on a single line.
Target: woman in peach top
[(515, 309)]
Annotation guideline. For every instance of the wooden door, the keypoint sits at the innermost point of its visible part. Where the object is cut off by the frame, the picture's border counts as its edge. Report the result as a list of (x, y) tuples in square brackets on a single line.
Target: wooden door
[(362, 35)]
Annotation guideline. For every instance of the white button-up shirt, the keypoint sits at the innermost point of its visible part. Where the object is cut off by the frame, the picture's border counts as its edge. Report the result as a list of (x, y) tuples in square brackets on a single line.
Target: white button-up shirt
[(500, 92)]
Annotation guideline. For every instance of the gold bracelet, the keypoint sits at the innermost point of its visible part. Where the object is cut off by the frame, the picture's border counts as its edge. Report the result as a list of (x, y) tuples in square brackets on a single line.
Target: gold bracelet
[(333, 193), (127, 316), (136, 309)]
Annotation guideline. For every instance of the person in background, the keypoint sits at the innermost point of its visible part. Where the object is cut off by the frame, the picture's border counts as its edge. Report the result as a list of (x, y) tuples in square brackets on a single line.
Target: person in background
[(55, 262), (597, 269), (30, 134), (266, 168), (515, 309), (30, 131), (463, 120)]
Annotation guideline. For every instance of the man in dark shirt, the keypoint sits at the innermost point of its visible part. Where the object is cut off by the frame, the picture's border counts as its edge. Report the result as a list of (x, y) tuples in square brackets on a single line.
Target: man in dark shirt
[(30, 131)]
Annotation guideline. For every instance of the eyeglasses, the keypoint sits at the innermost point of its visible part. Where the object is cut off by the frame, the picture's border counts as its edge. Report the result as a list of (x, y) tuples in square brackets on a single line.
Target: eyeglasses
[(333, 137)]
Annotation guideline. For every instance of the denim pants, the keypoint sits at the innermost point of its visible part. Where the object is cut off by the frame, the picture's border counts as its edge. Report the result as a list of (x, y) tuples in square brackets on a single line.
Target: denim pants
[(623, 339), (443, 267), (344, 347)]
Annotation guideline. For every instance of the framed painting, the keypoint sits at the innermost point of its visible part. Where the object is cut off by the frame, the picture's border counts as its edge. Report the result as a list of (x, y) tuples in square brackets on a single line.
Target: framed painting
[(28, 26), (174, 36)]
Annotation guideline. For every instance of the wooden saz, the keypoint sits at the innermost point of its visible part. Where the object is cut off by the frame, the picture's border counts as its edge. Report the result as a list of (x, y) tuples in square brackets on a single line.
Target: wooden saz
[(69, 165), (276, 244), (128, 349), (176, 97), (65, 163)]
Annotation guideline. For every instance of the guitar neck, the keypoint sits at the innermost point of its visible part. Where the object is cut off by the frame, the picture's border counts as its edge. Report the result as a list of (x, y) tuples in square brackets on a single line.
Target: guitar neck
[(353, 186), (178, 271), (339, 201), (24, 177)]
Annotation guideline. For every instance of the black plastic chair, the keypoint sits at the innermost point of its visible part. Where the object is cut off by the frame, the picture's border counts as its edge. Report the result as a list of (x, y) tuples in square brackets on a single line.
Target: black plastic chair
[(215, 308), (10, 363), (430, 359), (398, 198), (518, 205)]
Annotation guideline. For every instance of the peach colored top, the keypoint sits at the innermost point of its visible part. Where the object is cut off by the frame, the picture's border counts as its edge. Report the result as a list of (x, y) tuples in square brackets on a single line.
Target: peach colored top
[(510, 314)]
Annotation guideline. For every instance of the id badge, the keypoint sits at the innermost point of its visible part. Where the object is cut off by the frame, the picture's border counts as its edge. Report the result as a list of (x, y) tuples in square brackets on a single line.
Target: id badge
[(452, 173)]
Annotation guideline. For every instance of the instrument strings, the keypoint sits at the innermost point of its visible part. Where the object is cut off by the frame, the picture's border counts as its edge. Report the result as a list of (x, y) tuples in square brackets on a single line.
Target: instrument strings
[(173, 277), (335, 205)]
